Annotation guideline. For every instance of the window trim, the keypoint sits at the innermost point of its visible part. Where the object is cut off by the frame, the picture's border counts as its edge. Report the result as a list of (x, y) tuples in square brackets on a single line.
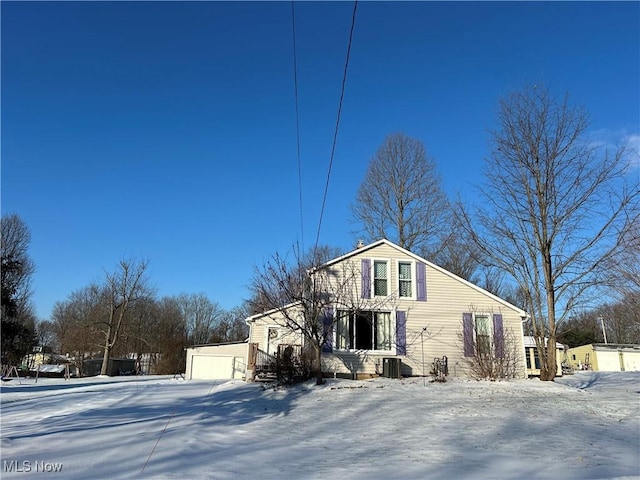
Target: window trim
[(350, 313), (412, 271), (373, 276), (489, 334)]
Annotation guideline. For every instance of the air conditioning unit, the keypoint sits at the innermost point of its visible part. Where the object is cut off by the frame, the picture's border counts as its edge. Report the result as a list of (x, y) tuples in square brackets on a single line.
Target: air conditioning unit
[(391, 367)]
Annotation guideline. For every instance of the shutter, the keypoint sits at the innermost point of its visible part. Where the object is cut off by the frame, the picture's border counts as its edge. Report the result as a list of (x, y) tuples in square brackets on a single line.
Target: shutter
[(467, 334), (366, 278), (401, 333), (498, 335), (327, 330), (421, 282)]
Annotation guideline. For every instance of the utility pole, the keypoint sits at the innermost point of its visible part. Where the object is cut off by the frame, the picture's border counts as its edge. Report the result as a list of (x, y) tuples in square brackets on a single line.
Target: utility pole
[(604, 332)]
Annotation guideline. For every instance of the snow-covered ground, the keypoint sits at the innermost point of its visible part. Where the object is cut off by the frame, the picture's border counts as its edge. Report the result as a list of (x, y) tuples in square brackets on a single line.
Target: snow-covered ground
[(583, 426)]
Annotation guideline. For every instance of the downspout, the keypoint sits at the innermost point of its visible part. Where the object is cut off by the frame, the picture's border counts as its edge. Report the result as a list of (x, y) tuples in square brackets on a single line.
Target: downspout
[(524, 349)]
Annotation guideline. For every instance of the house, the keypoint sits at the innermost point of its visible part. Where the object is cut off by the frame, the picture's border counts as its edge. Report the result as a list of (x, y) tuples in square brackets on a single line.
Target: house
[(217, 361), (43, 362), (533, 360), (605, 357), (399, 312)]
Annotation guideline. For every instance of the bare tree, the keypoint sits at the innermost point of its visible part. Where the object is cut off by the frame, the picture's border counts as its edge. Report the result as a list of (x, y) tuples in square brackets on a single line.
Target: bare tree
[(45, 332), (232, 326), (554, 208), (123, 287), (304, 298), (261, 301), (495, 364), (401, 197), (201, 315), (76, 322), (16, 269), (169, 336)]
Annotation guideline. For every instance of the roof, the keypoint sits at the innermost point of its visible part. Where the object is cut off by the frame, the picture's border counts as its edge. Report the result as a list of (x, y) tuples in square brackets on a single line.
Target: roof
[(217, 344), (530, 341)]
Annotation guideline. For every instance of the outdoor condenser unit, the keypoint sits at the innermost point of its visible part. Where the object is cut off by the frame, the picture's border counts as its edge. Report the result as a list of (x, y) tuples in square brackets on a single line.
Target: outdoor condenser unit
[(391, 367)]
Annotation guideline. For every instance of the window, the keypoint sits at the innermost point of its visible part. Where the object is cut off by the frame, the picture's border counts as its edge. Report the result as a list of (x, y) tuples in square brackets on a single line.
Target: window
[(380, 276), (404, 279), (365, 330), (483, 335)]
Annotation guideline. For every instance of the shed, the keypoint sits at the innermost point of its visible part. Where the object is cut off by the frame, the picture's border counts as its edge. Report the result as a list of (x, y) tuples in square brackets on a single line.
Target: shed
[(605, 357), (221, 361), (117, 366)]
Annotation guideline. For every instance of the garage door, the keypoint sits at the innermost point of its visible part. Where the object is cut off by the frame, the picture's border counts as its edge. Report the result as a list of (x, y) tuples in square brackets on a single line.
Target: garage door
[(211, 367)]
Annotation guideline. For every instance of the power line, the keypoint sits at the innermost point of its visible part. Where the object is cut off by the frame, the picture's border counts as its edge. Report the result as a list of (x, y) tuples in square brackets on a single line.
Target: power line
[(295, 88), (335, 134)]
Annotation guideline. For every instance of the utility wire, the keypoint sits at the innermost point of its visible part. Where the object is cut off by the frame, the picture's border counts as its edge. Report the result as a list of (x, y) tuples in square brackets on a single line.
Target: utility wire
[(295, 88), (335, 134)]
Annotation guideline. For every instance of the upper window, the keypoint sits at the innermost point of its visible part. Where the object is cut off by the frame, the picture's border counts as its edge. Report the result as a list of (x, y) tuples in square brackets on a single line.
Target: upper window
[(363, 330), (405, 287), (380, 278)]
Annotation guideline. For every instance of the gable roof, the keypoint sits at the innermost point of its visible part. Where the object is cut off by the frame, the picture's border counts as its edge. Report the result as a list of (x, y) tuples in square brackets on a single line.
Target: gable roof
[(266, 313), (406, 252)]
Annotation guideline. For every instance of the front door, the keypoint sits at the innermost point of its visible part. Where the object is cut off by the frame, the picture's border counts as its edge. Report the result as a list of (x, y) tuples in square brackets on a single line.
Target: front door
[(273, 340)]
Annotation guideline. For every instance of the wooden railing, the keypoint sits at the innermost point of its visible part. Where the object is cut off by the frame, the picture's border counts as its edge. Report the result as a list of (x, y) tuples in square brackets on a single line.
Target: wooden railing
[(261, 362)]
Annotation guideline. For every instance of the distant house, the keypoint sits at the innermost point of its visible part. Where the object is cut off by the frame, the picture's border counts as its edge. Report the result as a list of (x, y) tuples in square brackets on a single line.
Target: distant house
[(533, 360), (43, 362), (605, 357)]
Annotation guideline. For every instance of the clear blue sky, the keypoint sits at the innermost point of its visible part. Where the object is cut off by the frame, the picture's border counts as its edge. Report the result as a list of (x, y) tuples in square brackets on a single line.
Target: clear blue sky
[(166, 131)]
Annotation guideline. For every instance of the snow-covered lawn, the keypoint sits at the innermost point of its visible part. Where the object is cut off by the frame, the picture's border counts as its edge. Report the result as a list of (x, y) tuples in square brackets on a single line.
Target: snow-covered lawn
[(580, 427)]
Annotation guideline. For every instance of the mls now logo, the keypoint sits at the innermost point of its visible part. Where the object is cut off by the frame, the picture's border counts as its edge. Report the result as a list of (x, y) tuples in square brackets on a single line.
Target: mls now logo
[(27, 466)]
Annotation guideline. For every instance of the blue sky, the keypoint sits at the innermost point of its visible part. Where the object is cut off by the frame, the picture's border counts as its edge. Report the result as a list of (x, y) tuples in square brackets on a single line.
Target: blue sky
[(166, 131)]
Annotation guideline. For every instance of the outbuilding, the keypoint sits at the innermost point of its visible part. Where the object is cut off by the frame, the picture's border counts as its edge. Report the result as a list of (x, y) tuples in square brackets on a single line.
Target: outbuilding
[(222, 361), (605, 357)]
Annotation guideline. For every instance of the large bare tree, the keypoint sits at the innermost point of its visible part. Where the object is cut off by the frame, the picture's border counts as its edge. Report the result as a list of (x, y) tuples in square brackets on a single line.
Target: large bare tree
[(123, 287), (401, 197), (554, 207), (304, 295), (201, 316)]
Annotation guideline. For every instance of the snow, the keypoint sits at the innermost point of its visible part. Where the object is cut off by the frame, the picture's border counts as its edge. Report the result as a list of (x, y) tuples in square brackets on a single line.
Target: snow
[(584, 426)]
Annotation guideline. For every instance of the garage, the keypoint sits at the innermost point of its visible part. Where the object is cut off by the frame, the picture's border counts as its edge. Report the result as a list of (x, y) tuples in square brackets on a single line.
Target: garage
[(217, 361)]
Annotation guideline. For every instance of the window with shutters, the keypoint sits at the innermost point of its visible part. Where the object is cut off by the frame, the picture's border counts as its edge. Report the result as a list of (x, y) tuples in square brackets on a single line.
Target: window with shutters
[(405, 283), (364, 330), (483, 334)]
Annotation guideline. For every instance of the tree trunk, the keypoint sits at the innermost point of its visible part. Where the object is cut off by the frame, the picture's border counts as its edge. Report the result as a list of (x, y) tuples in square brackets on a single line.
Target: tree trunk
[(107, 354), (318, 364)]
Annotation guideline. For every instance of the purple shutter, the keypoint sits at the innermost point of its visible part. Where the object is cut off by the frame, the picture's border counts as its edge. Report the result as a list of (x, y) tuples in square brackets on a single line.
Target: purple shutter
[(327, 330), (421, 282), (467, 334), (498, 335), (366, 278), (401, 333)]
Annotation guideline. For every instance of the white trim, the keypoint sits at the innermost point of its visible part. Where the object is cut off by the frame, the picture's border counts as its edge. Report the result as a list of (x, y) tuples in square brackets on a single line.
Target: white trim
[(392, 328), (373, 277), (414, 277)]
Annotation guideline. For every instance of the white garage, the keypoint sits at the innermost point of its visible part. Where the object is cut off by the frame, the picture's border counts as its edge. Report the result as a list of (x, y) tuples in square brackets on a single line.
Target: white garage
[(225, 361)]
